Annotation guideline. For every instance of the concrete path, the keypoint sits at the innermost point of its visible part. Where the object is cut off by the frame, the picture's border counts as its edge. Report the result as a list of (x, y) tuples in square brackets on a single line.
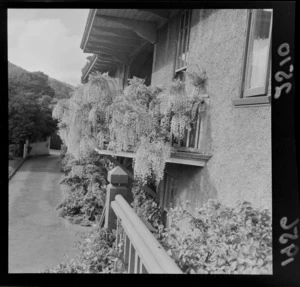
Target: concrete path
[(38, 238)]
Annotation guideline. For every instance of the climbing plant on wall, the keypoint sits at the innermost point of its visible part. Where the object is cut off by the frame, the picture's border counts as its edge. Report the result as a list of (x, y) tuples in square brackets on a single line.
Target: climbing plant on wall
[(82, 118), (142, 119)]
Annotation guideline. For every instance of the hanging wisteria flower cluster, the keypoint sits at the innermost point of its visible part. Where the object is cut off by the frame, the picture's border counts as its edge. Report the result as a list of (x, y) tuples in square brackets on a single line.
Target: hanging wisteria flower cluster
[(139, 119)]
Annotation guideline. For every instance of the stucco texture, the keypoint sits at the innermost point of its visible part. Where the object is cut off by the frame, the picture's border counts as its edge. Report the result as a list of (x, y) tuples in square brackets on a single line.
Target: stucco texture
[(238, 138)]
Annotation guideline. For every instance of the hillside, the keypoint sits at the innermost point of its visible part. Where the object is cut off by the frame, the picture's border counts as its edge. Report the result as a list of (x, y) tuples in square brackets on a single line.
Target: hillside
[(62, 90), (32, 96), (37, 81)]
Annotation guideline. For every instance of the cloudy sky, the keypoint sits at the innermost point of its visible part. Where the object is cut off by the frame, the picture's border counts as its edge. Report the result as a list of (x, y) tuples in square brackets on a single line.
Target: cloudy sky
[(48, 40)]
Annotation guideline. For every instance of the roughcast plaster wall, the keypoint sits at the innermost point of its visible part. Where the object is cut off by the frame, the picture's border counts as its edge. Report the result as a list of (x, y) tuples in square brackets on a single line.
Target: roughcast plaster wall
[(238, 138)]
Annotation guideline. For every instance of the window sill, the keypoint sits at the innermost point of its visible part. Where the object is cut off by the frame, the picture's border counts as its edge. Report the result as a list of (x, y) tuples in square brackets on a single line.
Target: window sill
[(252, 101)]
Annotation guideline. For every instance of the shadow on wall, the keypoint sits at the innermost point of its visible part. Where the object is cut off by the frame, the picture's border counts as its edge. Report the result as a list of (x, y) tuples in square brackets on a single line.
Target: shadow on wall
[(206, 13), (208, 189), (194, 183)]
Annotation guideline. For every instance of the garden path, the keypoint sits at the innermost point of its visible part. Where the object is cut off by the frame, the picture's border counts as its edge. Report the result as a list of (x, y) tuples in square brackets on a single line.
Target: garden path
[(38, 238)]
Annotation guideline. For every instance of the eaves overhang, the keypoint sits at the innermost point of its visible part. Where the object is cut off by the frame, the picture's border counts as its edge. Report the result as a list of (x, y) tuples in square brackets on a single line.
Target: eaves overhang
[(120, 33)]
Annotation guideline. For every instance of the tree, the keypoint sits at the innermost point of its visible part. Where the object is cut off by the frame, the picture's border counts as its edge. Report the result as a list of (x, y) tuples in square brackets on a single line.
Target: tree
[(30, 113)]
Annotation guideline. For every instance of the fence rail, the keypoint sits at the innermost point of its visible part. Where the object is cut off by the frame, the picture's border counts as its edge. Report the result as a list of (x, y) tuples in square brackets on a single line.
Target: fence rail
[(142, 252)]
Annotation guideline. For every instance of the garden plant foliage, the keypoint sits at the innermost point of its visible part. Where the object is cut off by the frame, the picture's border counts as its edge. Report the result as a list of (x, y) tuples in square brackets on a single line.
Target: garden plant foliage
[(139, 119), (96, 255), (215, 240), (86, 182), (221, 240), (30, 101)]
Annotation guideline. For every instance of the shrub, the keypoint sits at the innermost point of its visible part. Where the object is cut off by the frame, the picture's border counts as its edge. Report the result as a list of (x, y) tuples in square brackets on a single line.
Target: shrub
[(66, 163), (147, 208), (221, 239), (97, 255), (87, 181), (10, 155), (63, 151), (14, 150)]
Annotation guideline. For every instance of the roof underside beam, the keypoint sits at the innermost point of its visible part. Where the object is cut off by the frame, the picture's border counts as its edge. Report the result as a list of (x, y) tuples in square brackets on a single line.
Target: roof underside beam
[(101, 65), (106, 62), (115, 40), (90, 67), (115, 47), (103, 56), (146, 30), (124, 33), (162, 13), (120, 56)]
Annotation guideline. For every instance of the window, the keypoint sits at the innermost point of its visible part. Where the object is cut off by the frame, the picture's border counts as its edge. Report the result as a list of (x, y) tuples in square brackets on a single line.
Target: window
[(191, 137), (258, 62), (183, 44)]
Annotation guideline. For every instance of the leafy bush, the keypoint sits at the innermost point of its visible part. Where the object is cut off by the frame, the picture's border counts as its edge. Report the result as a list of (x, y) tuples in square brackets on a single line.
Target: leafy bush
[(97, 255), (84, 202), (14, 150), (66, 163), (87, 181), (147, 208), (221, 239), (63, 151)]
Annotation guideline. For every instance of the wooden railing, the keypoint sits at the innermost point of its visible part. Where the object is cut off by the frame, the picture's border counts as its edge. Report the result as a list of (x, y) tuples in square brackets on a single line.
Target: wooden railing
[(142, 253)]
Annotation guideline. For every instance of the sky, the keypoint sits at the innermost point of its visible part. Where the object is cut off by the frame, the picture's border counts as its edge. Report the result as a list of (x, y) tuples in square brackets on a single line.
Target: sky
[(48, 40)]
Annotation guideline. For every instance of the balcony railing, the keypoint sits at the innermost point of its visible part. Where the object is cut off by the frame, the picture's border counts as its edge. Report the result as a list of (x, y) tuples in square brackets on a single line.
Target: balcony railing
[(191, 139), (187, 150), (141, 251)]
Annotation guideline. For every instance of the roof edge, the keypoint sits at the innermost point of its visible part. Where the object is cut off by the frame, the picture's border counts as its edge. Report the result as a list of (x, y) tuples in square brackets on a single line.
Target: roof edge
[(88, 27)]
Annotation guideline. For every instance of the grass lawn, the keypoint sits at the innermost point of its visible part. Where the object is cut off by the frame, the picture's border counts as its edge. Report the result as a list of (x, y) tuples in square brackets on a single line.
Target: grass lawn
[(14, 163)]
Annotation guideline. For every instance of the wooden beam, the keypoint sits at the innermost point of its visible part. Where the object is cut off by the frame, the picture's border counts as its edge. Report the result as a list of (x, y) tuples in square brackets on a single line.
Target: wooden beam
[(115, 40), (120, 32), (106, 56), (102, 56), (90, 67), (106, 63), (112, 46), (162, 13), (146, 30), (121, 56), (101, 67)]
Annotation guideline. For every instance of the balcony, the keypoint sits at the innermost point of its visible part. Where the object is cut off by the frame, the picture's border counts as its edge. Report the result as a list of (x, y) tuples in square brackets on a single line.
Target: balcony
[(187, 150)]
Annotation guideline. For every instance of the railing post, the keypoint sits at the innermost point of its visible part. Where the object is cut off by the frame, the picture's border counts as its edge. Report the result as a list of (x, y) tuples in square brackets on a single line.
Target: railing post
[(116, 177), (25, 150)]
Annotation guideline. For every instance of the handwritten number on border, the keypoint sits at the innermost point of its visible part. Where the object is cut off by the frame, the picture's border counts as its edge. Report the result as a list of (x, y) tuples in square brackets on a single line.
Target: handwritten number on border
[(283, 51)]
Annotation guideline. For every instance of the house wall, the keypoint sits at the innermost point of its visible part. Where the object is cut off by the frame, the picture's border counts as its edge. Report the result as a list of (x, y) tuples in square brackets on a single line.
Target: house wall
[(238, 138), (141, 65)]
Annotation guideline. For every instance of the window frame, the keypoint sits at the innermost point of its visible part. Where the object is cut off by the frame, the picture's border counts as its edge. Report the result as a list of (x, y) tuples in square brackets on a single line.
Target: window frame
[(258, 95), (182, 44)]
